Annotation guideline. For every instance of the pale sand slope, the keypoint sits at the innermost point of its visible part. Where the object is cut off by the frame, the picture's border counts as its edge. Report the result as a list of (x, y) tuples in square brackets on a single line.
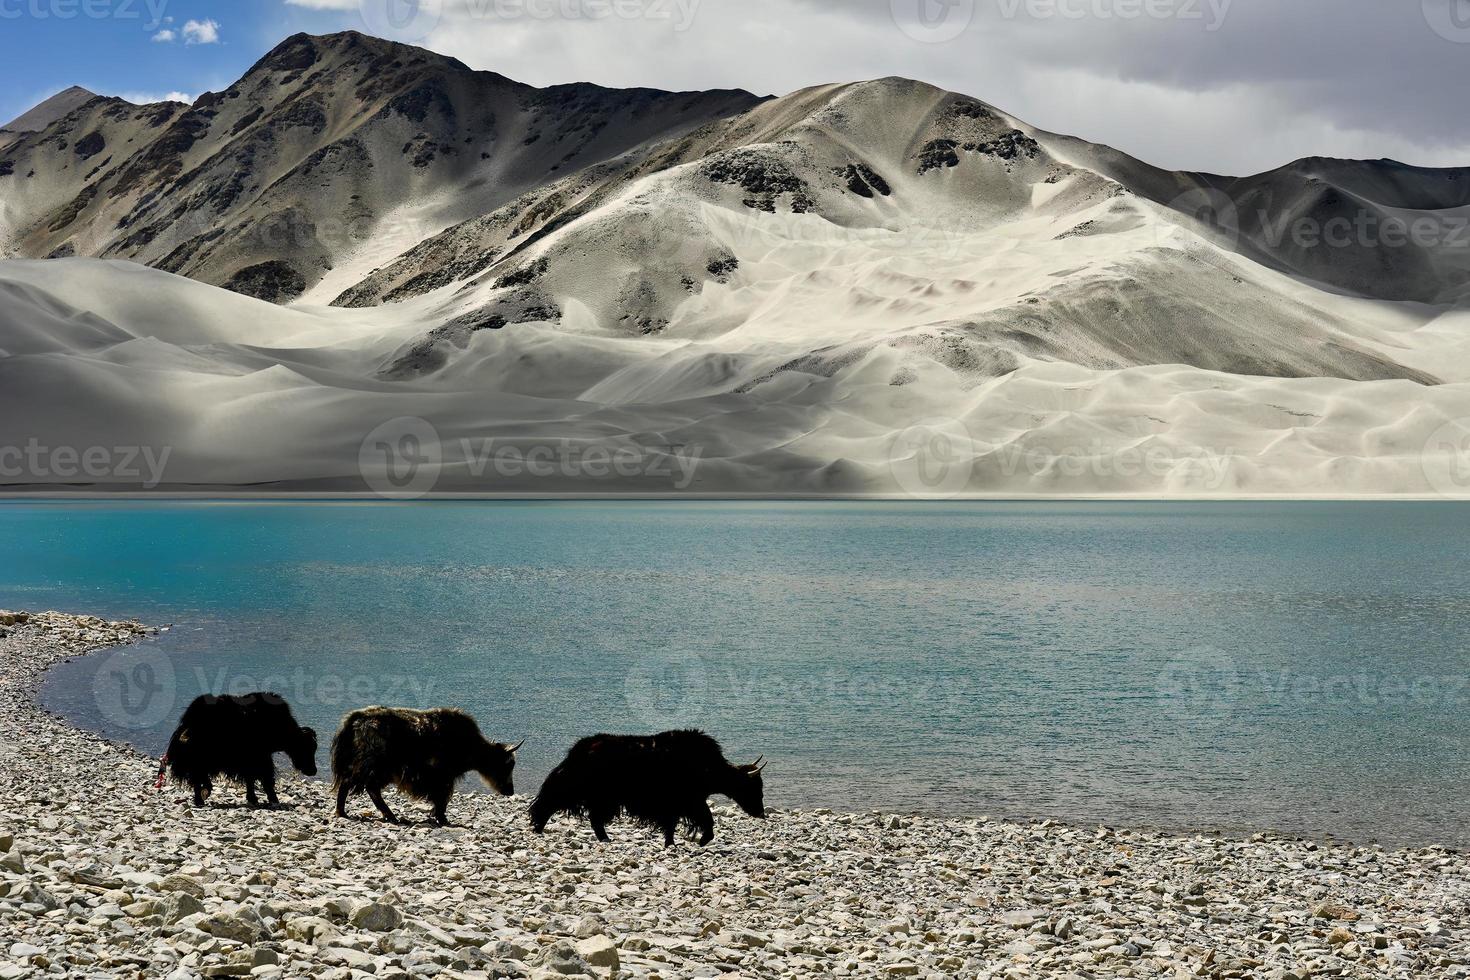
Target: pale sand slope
[(102, 876), (242, 392), (877, 208)]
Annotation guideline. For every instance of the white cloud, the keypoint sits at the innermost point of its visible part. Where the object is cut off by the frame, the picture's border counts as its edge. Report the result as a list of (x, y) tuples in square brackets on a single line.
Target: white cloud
[(201, 32), (149, 98), (165, 36)]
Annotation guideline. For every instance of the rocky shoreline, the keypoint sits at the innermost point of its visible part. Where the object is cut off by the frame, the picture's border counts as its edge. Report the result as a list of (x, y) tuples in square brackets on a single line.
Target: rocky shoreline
[(102, 876)]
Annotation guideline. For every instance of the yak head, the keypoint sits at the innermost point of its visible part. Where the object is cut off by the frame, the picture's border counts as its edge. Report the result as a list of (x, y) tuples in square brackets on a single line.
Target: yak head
[(301, 749), (495, 765), (747, 788)]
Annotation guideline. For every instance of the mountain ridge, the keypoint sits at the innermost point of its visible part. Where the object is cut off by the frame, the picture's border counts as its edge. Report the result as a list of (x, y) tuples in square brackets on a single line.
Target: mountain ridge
[(69, 223), (48, 110), (320, 130), (793, 285)]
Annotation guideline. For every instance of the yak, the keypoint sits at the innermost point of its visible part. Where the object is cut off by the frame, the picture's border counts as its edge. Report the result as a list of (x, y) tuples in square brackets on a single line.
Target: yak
[(235, 736), (423, 753), (660, 781)]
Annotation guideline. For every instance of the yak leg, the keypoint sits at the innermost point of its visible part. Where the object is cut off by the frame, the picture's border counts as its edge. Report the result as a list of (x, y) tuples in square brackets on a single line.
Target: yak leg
[(599, 819), (201, 791), (668, 827), (268, 781), (250, 797), (342, 801), (705, 821), (441, 807), (376, 795)]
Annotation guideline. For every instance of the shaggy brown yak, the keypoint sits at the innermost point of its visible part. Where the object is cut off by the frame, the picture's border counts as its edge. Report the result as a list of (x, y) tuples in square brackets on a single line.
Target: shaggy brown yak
[(658, 780), (423, 753)]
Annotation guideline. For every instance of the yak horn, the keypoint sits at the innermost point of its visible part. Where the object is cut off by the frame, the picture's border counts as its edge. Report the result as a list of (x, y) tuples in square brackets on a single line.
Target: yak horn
[(516, 747), (756, 765)]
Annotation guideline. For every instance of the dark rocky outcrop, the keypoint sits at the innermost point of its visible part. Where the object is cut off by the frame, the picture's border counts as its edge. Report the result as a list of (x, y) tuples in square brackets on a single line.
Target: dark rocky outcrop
[(274, 282)]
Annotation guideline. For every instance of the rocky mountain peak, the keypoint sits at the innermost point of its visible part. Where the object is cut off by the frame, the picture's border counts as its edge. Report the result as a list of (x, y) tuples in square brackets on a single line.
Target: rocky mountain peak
[(40, 116)]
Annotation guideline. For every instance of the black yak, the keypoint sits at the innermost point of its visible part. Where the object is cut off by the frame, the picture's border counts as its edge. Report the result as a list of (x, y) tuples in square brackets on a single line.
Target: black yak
[(235, 736), (423, 753), (658, 780)]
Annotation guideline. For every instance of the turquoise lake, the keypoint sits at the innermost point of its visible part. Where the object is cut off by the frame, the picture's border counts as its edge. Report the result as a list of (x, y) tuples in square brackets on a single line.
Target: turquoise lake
[(1297, 667)]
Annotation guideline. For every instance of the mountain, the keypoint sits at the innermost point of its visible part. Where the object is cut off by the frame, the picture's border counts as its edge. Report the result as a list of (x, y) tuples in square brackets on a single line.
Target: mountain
[(892, 212), (788, 291), (40, 116), (330, 151), (43, 115), (1376, 228)]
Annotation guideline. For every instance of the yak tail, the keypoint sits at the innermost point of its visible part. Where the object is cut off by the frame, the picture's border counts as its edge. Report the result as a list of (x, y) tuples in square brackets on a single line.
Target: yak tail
[(344, 752)]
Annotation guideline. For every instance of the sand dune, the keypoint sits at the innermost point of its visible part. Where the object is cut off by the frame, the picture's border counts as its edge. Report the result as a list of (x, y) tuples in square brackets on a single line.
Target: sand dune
[(222, 388)]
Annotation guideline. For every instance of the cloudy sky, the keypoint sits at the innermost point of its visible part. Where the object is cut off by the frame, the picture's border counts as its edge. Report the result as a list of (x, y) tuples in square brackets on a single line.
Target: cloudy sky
[(1223, 85)]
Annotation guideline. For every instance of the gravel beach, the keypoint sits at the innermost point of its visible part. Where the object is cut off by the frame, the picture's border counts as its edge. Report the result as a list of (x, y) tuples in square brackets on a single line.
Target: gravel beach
[(100, 875)]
